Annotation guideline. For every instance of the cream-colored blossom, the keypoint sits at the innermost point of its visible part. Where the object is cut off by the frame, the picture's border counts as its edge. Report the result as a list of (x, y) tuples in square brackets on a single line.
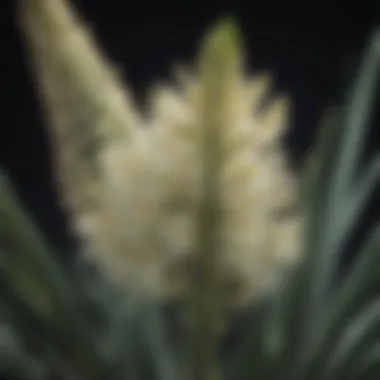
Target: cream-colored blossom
[(135, 200)]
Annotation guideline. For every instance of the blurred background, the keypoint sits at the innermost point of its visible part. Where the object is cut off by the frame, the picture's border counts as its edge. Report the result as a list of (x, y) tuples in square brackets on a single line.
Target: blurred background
[(311, 47)]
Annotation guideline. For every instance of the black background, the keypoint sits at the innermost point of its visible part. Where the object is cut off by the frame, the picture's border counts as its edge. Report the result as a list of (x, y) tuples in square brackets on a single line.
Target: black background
[(311, 47)]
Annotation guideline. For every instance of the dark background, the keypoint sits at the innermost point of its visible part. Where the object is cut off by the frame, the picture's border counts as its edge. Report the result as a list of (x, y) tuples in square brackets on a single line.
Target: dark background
[(311, 47)]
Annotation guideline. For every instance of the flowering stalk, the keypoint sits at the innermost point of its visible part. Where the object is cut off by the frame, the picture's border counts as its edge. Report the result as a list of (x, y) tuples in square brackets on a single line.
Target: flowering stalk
[(83, 100), (135, 184), (217, 67)]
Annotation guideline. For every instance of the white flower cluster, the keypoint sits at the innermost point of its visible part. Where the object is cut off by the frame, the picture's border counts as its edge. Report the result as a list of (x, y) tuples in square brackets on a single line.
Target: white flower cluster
[(135, 204)]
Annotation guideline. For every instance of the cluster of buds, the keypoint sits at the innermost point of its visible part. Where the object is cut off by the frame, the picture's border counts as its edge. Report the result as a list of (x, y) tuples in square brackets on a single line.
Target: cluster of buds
[(135, 184)]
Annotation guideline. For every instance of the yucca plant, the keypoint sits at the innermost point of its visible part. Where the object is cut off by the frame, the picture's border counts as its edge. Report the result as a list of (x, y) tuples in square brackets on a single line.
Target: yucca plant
[(191, 218)]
